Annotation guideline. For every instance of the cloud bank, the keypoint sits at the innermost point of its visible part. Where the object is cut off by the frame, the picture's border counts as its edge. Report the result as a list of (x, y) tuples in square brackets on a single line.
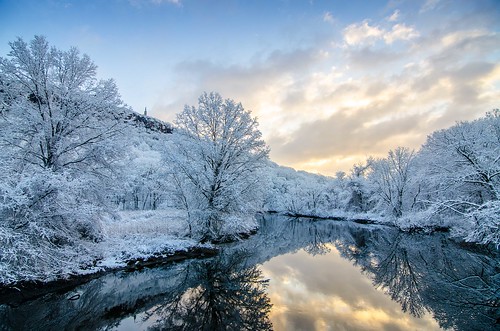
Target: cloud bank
[(367, 87)]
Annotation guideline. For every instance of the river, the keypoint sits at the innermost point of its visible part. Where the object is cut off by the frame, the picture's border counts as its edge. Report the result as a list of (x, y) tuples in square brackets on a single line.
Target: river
[(294, 274)]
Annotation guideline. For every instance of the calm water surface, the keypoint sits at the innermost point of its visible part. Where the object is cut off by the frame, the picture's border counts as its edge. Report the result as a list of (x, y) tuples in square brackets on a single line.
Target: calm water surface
[(326, 292), (296, 274)]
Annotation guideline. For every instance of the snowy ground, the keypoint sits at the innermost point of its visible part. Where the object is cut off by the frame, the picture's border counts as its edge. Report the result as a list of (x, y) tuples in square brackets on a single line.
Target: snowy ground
[(141, 234), (128, 236)]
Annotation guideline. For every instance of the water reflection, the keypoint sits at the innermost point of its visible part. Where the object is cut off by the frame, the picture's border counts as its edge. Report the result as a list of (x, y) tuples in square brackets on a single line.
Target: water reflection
[(328, 292), (227, 296), (427, 276), (221, 293), (323, 275), (432, 274)]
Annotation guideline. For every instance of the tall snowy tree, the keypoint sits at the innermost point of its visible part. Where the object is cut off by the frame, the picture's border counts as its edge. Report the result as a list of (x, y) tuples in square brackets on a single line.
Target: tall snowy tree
[(462, 175), (55, 110), (391, 178), (219, 151), (57, 123)]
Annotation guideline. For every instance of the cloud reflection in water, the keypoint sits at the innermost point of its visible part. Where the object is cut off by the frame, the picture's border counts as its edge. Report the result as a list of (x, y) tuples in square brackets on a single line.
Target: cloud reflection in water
[(326, 292)]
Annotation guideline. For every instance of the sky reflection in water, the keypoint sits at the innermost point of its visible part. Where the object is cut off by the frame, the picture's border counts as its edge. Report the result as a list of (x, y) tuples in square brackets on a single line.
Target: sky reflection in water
[(327, 292), (320, 278)]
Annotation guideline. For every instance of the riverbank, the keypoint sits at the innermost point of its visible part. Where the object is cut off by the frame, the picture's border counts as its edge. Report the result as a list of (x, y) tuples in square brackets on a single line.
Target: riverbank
[(139, 235), (352, 218), (403, 224), (20, 292), (131, 240)]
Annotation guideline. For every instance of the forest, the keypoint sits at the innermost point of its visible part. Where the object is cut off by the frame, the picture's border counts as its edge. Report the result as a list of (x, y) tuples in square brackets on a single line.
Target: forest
[(80, 171)]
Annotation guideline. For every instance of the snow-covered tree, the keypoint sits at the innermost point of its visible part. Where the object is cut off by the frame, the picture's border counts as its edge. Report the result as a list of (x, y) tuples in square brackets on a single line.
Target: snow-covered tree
[(339, 192), (142, 185), (465, 160), (57, 126), (358, 187), (219, 151), (56, 112), (461, 167), (391, 178)]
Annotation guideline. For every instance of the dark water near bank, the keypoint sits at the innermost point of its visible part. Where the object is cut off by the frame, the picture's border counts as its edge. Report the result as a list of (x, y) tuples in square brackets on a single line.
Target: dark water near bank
[(295, 274)]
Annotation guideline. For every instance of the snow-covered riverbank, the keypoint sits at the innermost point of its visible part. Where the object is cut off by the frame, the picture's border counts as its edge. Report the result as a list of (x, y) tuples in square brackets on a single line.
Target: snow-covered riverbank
[(131, 240), (139, 235), (128, 237)]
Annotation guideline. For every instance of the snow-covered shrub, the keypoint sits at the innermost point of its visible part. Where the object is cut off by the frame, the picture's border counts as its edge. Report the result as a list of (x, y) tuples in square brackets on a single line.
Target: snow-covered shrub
[(61, 205), (483, 225), (425, 220), (27, 255), (235, 224), (48, 226)]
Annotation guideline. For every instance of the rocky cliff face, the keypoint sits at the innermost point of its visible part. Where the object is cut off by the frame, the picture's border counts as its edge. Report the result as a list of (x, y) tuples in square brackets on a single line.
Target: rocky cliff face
[(149, 123)]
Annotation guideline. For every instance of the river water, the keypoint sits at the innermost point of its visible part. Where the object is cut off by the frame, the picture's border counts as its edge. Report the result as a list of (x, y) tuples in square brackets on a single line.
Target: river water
[(295, 274)]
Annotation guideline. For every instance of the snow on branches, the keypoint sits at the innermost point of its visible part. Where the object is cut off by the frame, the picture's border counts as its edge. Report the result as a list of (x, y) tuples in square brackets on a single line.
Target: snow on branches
[(219, 153)]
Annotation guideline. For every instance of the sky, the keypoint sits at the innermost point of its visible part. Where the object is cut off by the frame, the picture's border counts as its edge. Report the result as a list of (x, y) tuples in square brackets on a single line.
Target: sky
[(331, 82)]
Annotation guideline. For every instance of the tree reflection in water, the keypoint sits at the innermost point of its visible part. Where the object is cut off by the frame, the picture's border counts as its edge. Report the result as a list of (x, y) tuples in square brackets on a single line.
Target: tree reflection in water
[(318, 244), (222, 293), (229, 296), (398, 276), (459, 286), (431, 273), (423, 273)]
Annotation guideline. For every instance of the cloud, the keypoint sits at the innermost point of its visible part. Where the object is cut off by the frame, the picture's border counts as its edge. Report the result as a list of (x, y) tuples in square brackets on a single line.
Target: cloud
[(174, 2), (395, 16), (363, 33), (400, 32), (429, 5), (352, 131), (367, 58), (331, 105), (328, 17)]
